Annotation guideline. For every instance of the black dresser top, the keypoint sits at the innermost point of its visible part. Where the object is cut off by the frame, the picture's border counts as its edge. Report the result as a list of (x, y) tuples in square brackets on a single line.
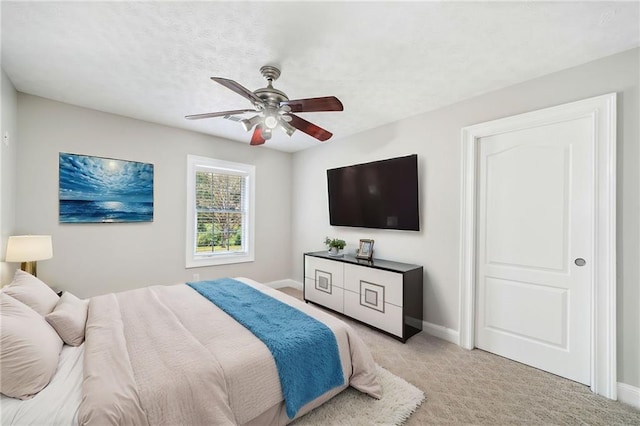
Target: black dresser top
[(386, 265)]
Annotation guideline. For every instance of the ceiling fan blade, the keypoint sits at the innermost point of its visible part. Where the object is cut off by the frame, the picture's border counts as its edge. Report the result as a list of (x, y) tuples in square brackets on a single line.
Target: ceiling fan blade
[(238, 88), (218, 114), (257, 138), (309, 128), (327, 103)]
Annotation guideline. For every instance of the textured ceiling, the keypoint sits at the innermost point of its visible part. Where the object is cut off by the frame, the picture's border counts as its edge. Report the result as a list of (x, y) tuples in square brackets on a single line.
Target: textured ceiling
[(384, 60)]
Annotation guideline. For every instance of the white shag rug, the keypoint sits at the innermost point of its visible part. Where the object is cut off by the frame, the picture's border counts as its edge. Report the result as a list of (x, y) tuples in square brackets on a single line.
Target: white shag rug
[(351, 407)]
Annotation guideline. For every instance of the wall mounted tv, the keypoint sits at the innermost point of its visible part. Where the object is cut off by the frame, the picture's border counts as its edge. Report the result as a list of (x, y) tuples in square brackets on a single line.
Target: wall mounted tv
[(381, 194)]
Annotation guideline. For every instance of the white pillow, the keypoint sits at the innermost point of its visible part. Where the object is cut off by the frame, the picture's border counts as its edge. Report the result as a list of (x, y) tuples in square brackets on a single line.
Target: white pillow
[(29, 349), (69, 318), (32, 292)]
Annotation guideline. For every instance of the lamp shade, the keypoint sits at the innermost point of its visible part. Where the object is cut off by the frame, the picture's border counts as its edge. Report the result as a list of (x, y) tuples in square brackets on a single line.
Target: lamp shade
[(29, 248)]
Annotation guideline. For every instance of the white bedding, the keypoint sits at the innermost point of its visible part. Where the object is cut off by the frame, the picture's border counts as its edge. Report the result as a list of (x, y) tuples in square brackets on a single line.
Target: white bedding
[(57, 403)]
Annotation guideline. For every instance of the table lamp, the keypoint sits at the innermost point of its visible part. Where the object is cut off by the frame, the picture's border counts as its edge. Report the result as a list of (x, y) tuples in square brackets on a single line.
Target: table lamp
[(28, 249)]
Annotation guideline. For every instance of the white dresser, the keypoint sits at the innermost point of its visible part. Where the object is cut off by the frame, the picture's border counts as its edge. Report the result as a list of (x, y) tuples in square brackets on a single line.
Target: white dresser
[(382, 294)]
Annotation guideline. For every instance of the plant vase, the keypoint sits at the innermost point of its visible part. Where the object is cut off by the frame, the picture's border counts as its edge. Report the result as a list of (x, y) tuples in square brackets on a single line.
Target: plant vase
[(335, 251)]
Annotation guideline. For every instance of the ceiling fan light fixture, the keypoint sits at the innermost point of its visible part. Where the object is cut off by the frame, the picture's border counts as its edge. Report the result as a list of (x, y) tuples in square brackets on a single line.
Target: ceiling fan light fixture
[(287, 128), (270, 121), (266, 133), (249, 124)]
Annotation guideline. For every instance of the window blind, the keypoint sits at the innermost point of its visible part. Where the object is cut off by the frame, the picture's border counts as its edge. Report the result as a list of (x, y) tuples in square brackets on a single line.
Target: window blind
[(221, 211)]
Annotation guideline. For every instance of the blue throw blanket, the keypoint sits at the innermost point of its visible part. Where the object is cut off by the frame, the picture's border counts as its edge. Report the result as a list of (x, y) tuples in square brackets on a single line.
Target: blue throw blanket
[(304, 349)]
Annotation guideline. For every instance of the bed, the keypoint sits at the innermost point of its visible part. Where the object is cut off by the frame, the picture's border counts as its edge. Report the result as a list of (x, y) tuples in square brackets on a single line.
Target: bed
[(167, 355)]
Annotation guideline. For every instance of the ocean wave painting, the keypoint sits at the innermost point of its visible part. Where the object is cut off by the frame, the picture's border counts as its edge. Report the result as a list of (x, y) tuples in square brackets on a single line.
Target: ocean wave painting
[(99, 190)]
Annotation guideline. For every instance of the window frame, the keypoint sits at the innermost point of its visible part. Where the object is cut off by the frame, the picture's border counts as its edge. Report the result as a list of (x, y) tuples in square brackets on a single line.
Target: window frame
[(192, 258)]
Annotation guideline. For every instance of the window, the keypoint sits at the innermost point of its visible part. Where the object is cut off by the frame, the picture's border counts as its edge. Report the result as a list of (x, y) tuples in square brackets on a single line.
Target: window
[(220, 212)]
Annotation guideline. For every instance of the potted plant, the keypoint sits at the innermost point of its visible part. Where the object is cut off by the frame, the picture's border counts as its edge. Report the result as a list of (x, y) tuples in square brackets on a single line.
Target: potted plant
[(335, 245)]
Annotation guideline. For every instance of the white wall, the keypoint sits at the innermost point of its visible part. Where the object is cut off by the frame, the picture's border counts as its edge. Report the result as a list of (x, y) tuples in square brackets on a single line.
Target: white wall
[(435, 137), (92, 259), (7, 172)]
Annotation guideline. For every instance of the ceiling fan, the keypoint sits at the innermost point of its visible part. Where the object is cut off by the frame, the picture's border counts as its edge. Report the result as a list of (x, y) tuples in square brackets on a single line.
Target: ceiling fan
[(274, 109)]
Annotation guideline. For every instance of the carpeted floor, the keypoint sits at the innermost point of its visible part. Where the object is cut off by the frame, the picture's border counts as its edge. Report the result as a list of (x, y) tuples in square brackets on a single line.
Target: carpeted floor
[(477, 387)]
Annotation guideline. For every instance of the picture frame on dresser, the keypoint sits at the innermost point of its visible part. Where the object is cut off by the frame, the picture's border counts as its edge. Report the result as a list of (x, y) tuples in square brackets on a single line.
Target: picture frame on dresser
[(365, 249)]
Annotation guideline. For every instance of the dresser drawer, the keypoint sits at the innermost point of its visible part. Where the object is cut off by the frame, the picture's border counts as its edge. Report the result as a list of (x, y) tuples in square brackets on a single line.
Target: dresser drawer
[(330, 296), (387, 285), (388, 319), (316, 269)]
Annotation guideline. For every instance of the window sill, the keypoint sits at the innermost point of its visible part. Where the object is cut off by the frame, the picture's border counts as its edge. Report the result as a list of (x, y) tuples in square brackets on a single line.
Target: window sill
[(223, 259)]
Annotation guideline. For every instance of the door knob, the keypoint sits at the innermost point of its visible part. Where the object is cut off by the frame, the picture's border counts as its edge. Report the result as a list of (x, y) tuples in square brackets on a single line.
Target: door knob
[(580, 261)]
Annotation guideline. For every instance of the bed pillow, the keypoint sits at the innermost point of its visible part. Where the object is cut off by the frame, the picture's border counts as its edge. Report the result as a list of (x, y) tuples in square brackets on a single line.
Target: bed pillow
[(69, 318), (29, 349), (32, 292)]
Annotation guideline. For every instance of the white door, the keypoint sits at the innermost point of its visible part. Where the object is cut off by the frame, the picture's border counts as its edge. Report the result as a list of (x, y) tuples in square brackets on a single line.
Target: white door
[(534, 252)]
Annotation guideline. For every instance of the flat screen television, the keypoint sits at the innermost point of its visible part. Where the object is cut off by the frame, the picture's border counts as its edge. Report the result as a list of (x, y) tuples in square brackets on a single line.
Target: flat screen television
[(381, 194)]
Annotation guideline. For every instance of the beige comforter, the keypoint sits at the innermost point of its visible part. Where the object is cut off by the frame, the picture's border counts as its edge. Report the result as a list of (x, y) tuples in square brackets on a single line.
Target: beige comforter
[(167, 356)]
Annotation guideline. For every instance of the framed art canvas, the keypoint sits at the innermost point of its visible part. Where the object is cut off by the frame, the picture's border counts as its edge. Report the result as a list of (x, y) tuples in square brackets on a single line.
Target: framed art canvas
[(102, 190)]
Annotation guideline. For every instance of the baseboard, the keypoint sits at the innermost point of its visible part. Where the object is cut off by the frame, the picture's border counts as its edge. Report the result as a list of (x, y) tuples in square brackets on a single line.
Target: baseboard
[(441, 332), (285, 283), (629, 394)]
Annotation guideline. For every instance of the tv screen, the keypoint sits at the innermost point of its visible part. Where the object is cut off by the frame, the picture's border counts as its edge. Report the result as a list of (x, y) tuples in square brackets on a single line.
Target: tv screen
[(381, 194)]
